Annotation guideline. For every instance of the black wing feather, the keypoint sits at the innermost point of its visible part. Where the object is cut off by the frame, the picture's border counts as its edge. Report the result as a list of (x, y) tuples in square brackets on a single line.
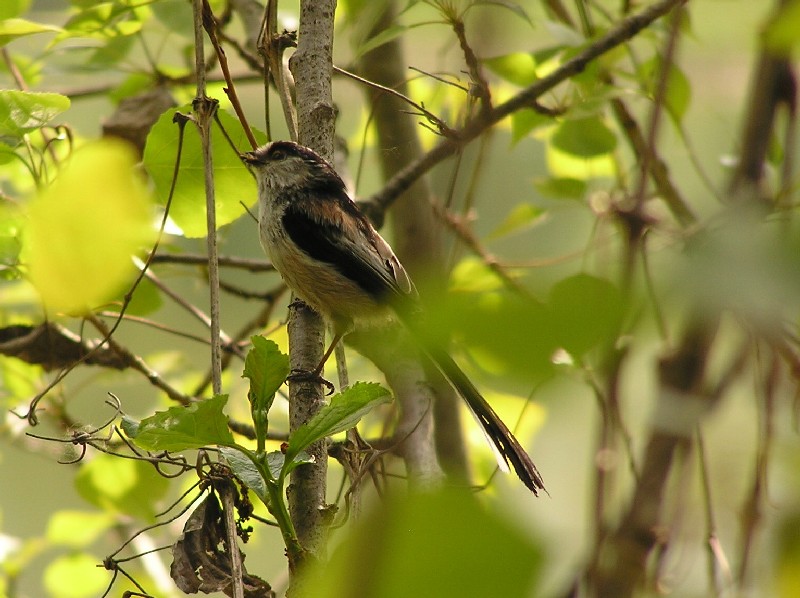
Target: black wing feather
[(324, 241)]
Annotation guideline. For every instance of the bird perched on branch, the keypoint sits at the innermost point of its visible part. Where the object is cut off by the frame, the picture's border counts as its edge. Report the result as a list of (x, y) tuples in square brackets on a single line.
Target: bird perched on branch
[(331, 257)]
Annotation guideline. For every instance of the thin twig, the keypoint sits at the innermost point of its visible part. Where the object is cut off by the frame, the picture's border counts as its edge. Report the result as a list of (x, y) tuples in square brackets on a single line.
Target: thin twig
[(627, 29)]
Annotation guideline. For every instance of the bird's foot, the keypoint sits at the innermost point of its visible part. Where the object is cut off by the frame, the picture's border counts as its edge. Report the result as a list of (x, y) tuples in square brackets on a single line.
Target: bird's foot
[(310, 376)]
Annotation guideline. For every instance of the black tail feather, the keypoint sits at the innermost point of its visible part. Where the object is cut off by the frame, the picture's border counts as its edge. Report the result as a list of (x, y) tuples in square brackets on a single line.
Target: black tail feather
[(506, 445)]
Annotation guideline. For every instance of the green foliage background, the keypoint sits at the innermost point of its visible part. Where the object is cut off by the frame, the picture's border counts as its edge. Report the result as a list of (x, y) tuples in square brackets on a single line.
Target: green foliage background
[(543, 189)]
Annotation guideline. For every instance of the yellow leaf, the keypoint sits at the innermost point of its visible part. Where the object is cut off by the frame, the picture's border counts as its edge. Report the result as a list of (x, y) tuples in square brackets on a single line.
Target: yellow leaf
[(84, 228)]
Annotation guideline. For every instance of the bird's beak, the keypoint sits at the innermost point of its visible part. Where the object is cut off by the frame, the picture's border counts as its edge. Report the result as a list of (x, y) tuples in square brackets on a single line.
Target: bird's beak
[(249, 158)]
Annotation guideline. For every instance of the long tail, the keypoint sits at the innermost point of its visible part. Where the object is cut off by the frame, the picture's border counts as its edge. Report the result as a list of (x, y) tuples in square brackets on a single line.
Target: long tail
[(501, 437)]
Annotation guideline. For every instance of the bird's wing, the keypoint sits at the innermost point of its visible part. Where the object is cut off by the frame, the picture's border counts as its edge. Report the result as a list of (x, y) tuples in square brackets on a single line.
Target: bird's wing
[(337, 233)]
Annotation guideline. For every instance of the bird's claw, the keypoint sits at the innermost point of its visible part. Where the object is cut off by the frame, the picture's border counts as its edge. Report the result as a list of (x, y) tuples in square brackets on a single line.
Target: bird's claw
[(310, 376)]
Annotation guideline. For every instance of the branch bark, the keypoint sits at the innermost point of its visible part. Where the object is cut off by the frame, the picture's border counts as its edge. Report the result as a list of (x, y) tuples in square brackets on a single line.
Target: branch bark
[(416, 238), (311, 66)]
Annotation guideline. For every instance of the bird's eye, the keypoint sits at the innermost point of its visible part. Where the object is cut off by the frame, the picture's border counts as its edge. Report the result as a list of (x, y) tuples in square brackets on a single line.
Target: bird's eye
[(277, 155)]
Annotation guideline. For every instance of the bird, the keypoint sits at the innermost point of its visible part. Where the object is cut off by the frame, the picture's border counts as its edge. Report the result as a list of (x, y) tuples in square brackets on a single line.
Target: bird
[(330, 255)]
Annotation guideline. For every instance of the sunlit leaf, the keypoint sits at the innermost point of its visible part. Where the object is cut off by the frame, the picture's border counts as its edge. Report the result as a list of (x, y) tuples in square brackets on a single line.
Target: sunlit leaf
[(102, 20), (22, 111), (77, 528), (585, 137), (75, 575), (526, 120), (13, 8), (568, 166), (232, 183), (11, 29), (85, 227), (343, 412), (180, 428), (518, 68), (121, 485), (266, 368), (472, 275)]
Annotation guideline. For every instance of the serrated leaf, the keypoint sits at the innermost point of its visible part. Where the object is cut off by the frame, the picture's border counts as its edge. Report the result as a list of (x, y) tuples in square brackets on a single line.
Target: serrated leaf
[(585, 137), (266, 368), (84, 228), (11, 29), (232, 183), (342, 413), (521, 216), (22, 111), (180, 428)]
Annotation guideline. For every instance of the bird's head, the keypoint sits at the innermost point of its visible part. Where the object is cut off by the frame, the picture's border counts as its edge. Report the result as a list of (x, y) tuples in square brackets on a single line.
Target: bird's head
[(285, 165)]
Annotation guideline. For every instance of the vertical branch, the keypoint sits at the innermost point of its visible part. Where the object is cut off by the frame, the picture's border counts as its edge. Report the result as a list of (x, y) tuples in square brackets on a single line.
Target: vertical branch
[(418, 243), (311, 66), (204, 108)]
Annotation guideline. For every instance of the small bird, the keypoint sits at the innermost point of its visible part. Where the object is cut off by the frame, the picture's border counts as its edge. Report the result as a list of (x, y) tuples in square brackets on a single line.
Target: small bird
[(331, 257)]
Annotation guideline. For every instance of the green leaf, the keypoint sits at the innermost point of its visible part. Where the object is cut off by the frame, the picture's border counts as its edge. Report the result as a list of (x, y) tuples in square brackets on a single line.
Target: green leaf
[(518, 68), (121, 485), (782, 33), (22, 111), (586, 137), (232, 183), (678, 93), (586, 311), (266, 368), (85, 227), (11, 226), (343, 412), (77, 528), (102, 20), (507, 334), (75, 575), (524, 215), (11, 29), (526, 120), (176, 15), (13, 8), (180, 428), (422, 536), (246, 471), (561, 187), (472, 275)]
